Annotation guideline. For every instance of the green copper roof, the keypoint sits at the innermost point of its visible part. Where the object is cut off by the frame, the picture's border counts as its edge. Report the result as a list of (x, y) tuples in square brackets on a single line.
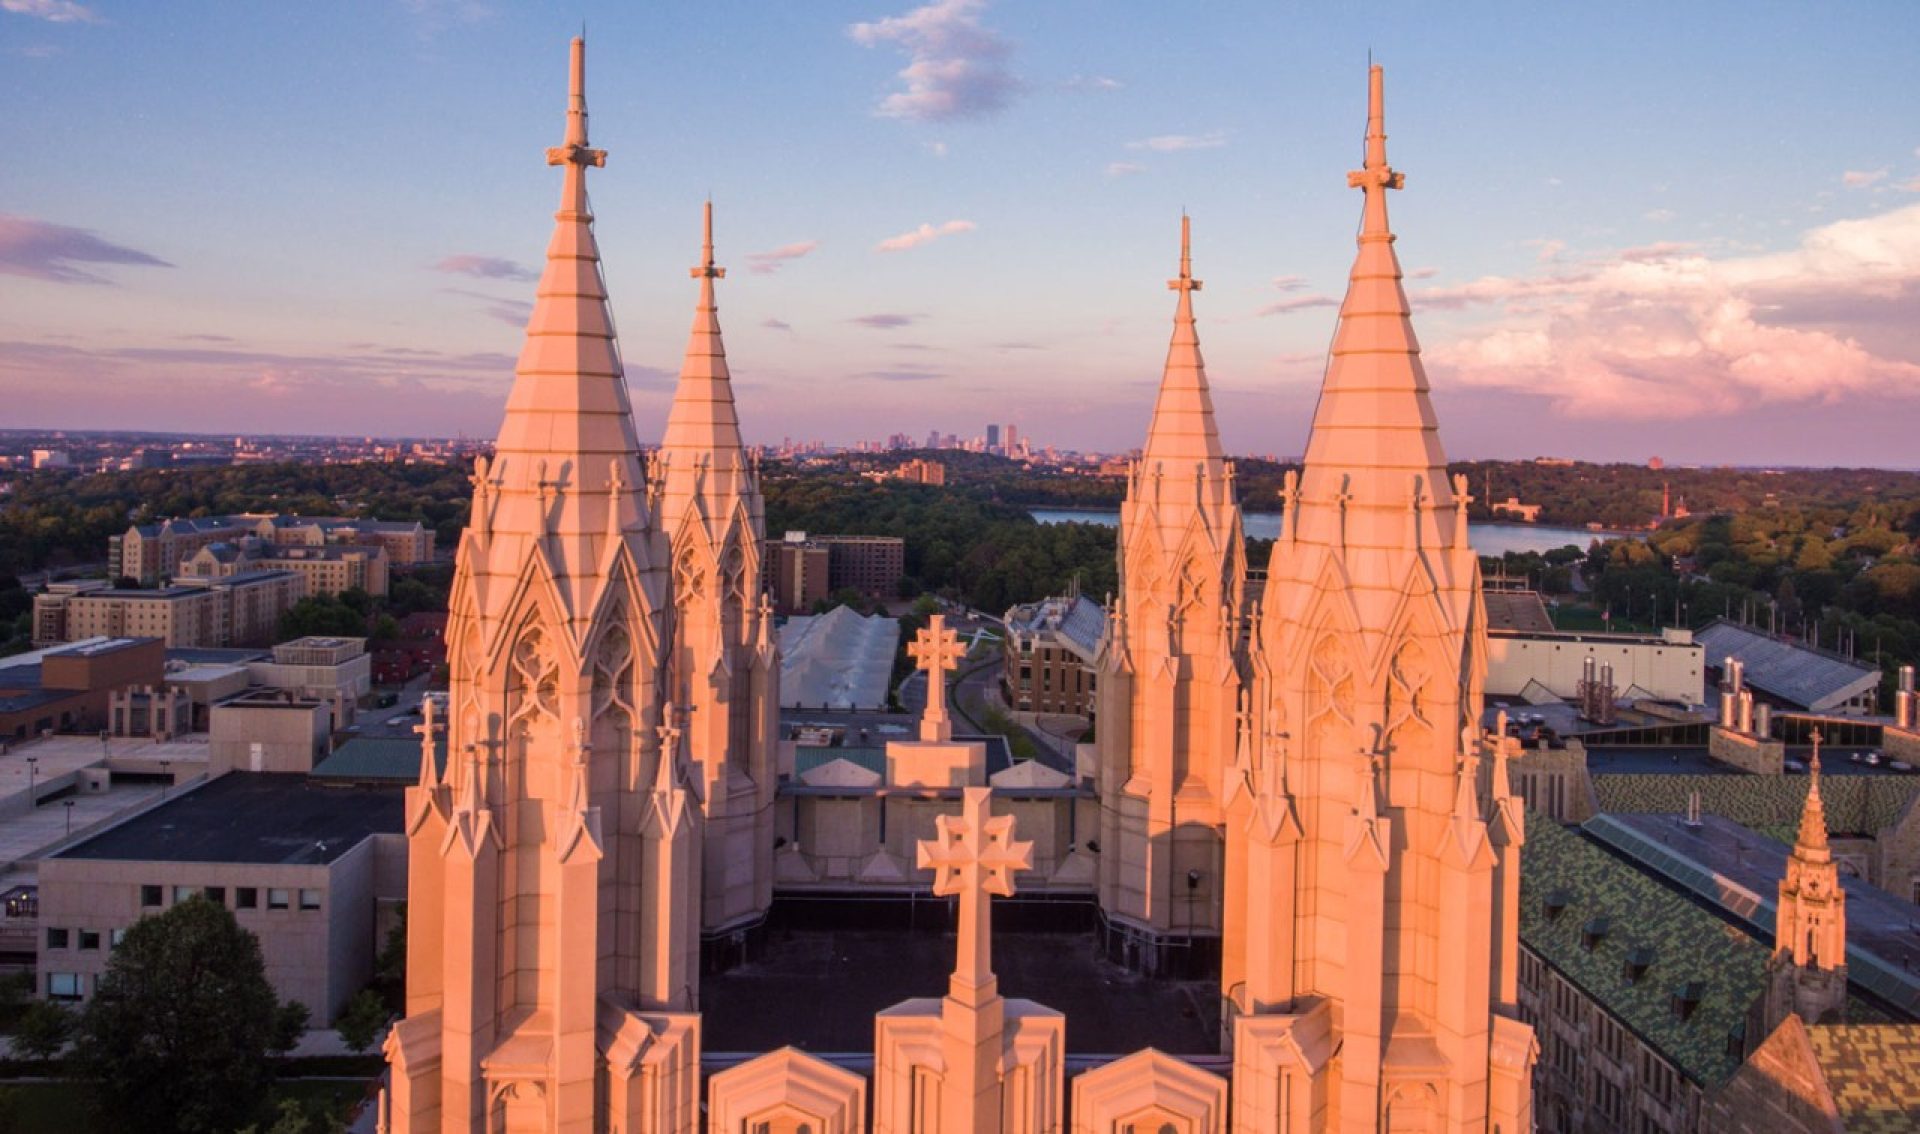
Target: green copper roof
[(1687, 945), (1856, 805)]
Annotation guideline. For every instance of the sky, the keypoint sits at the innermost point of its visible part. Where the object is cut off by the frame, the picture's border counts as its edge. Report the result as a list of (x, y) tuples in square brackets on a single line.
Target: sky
[(1629, 230)]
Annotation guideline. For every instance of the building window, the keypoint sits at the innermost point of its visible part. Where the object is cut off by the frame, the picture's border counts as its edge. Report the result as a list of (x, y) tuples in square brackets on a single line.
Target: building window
[(182, 893), (216, 894), (150, 897), (90, 939), (309, 899), (279, 899), (246, 898), (63, 986), (56, 938), (115, 937)]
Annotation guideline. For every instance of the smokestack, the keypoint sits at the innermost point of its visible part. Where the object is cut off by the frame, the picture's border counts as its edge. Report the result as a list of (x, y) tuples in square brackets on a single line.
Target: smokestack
[(1746, 711), (1736, 675), (1763, 719)]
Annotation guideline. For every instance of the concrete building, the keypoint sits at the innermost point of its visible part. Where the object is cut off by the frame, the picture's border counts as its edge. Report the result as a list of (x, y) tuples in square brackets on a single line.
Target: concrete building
[(1051, 655), (72, 688), (267, 732), (797, 573), (1792, 674), (335, 671), (240, 609), (305, 868)]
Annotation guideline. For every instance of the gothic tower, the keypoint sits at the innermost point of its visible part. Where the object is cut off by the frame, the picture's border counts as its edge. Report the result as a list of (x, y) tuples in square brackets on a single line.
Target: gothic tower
[(1170, 676), (1807, 973), (725, 669), (1369, 973), (554, 863)]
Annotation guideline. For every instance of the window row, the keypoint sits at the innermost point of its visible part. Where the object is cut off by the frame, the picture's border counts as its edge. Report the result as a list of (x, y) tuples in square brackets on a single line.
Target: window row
[(86, 940), (244, 897)]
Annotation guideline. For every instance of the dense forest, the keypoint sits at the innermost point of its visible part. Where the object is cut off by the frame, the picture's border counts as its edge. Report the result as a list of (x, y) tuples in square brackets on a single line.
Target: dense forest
[(1822, 553)]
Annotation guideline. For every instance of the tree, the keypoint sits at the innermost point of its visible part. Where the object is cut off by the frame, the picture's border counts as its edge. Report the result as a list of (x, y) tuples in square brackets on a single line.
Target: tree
[(295, 1117), (177, 1034), (359, 1025), (43, 1029), (289, 1024)]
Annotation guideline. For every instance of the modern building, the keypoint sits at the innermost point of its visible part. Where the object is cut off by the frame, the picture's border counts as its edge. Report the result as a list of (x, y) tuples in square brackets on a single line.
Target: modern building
[(1051, 655), (239, 609), (803, 569), (921, 471), (308, 869), (71, 688), (335, 671), (1529, 659)]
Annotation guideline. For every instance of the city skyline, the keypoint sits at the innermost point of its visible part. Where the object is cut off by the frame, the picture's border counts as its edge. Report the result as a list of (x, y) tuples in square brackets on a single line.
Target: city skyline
[(965, 212)]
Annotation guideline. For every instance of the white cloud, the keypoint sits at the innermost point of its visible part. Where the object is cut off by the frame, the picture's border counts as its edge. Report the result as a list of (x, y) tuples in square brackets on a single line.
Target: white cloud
[(1661, 216), (53, 11), (1290, 283), (1177, 143), (1548, 250), (1298, 303), (922, 235), (937, 149), (956, 68), (1861, 179), (1669, 331), (767, 263), (1124, 168), (1093, 83)]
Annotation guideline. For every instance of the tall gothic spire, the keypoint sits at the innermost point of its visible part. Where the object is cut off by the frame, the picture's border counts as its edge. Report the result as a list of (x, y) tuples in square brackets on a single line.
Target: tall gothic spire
[(702, 455), (1374, 422), (566, 471), (1183, 431), (1812, 843)]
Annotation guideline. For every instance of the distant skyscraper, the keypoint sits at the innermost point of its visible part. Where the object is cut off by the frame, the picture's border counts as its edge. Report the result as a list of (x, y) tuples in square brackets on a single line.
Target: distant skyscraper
[(993, 437), (1013, 439)]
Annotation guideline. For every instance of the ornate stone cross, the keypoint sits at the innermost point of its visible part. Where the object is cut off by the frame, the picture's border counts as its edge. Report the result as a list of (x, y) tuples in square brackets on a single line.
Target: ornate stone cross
[(937, 650), (974, 856)]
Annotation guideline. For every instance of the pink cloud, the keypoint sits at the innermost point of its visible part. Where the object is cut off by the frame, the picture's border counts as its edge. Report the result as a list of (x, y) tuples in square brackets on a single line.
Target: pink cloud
[(956, 67), (767, 263), (41, 250), (925, 234), (1298, 303), (1667, 331), (484, 267)]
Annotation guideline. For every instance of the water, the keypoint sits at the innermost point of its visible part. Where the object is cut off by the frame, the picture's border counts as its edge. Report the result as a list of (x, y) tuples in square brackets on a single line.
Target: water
[(1488, 539)]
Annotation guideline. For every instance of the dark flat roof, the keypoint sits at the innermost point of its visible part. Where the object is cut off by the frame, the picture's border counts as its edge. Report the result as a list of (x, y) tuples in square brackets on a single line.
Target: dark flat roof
[(253, 817)]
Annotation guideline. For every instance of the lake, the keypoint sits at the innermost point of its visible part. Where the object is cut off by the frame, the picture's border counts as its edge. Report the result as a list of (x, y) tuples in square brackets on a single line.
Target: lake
[(1488, 539)]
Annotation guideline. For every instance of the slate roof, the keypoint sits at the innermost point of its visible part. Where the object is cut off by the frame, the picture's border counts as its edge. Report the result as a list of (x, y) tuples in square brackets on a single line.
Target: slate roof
[(1873, 1071), (1688, 944), (1812, 679), (379, 759), (1855, 805)]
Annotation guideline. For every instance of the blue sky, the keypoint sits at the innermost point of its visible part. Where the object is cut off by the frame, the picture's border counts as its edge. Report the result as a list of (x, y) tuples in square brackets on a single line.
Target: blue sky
[(1629, 230)]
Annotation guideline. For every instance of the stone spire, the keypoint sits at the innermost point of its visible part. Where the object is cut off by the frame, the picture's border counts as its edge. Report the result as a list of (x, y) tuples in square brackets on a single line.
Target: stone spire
[(1183, 433), (1170, 694), (702, 454), (706, 494), (1371, 654), (1808, 969), (543, 941)]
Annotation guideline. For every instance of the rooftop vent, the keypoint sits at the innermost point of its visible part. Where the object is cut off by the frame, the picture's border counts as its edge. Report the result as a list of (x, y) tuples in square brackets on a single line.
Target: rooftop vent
[(1637, 963), (1685, 999), (1557, 902), (1594, 932)]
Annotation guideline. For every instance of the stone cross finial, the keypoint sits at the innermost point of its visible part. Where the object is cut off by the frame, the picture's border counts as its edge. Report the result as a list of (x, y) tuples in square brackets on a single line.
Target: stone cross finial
[(974, 856), (429, 772), (1185, 282), (706, 269), (575, 151), (937, 650)]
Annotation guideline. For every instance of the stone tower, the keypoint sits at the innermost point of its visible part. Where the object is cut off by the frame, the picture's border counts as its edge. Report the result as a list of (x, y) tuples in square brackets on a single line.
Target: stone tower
[(1371, 960), (554, 864), (1170, 674), (1807, 974), (725, 669)]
